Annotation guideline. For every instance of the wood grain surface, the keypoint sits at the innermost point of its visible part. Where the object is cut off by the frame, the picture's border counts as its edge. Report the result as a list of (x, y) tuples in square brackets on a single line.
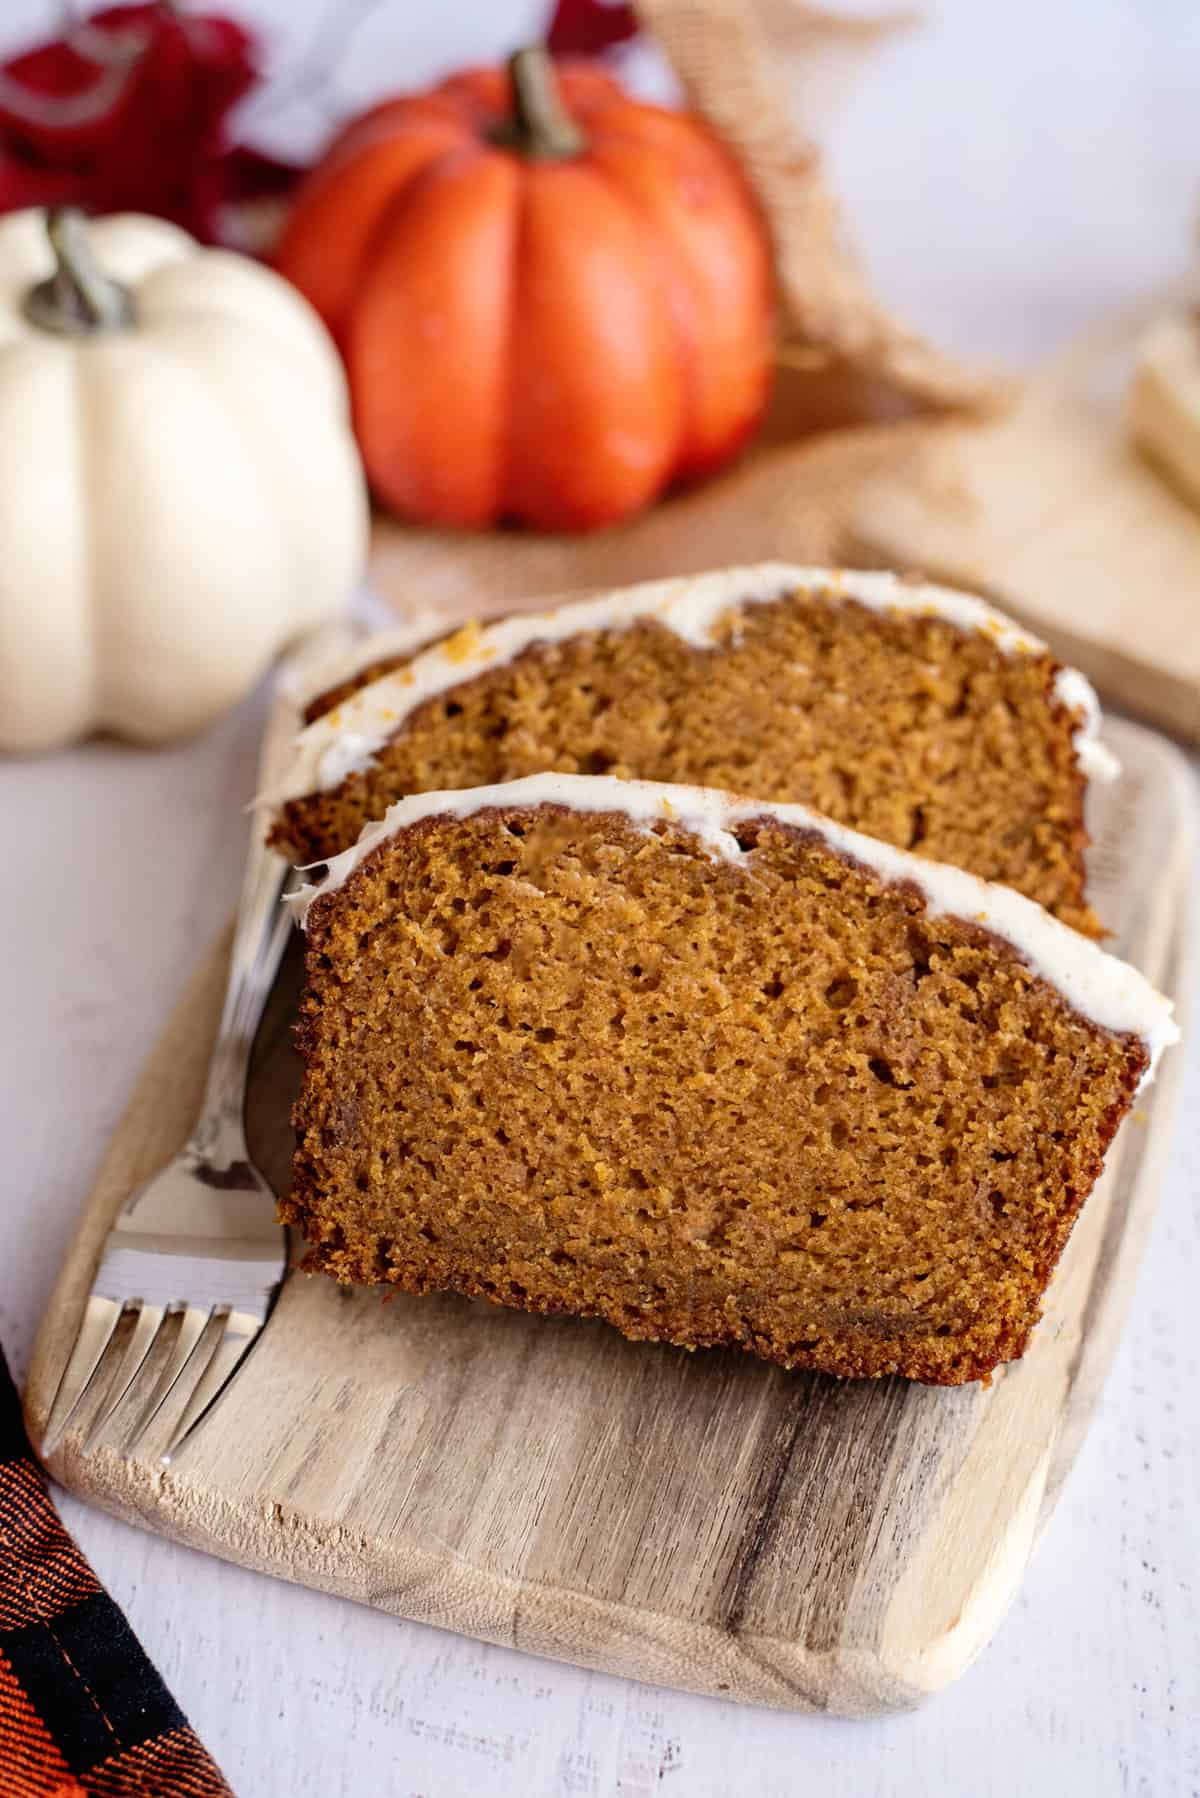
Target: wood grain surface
[(703, 1520), (1053, 514)]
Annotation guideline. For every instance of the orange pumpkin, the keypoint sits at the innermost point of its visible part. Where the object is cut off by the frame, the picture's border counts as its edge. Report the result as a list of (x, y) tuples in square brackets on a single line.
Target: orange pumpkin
[(552, 299)]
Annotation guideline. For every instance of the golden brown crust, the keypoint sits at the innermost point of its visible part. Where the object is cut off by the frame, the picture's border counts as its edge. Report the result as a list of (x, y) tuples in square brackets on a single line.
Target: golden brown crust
[(901, 726), (564, 1064)]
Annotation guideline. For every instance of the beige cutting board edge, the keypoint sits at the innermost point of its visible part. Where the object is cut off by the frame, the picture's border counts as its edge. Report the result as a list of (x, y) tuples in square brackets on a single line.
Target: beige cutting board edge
[(1053, 513), (699, 1521)]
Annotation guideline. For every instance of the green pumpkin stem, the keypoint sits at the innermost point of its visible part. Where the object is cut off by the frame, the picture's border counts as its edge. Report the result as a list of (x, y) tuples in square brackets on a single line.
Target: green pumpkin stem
[(541, 127), (78, 298)]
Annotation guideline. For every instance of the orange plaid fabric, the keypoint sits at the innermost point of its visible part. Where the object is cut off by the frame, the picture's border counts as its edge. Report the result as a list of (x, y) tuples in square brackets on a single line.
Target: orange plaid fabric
[(83, 1714)]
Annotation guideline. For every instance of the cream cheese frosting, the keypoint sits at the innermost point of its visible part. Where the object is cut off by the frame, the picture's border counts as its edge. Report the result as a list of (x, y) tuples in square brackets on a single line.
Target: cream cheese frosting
[(422, 627), (347, 739), (1098, 985)]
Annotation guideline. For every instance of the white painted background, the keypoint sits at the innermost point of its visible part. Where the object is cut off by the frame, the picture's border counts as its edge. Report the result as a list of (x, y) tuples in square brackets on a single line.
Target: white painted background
[(1014, 170)]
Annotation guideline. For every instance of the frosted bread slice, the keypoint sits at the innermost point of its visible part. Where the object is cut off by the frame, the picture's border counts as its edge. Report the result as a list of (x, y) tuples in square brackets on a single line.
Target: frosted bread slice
[(912, 712), (717, 1071)]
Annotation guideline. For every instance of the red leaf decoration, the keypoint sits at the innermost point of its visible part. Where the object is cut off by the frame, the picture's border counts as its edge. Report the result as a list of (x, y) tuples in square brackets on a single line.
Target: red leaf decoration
[(585, 27), (129, 113)]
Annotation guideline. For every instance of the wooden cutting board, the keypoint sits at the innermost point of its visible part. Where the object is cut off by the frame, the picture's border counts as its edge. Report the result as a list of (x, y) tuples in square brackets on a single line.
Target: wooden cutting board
[(1053, 514), (702, 1521)]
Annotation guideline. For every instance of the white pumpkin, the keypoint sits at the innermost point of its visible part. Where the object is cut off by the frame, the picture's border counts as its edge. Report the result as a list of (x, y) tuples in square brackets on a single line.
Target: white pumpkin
[(179, 489)]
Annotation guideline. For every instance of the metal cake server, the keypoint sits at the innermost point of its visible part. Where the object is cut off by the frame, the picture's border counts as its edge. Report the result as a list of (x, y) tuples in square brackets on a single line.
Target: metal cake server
[(195, 1258)]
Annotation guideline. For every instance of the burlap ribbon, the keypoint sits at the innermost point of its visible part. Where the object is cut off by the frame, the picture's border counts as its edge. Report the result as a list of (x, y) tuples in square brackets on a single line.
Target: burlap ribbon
[(736, 60)]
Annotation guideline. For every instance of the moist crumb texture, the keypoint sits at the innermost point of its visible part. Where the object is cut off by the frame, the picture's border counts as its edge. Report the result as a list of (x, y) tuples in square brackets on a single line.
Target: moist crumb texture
[(568, 1064), (902, 725)]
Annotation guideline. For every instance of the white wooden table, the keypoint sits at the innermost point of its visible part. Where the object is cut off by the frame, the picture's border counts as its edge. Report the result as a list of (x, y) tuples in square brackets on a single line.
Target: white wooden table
[(1015, 171)]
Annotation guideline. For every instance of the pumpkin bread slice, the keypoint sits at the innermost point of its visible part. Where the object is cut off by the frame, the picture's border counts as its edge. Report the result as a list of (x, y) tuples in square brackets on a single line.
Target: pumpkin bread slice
[(911, 712), (715, 1071)]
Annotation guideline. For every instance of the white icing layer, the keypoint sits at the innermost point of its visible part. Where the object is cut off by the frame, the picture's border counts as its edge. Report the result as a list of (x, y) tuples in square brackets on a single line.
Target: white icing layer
[(372, 646), (349, 737), (1092, 982), (1076, 692)]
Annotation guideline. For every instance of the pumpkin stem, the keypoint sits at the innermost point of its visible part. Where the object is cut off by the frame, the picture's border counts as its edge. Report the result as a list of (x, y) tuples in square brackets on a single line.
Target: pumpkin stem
[(540, 127), (78, 298)]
